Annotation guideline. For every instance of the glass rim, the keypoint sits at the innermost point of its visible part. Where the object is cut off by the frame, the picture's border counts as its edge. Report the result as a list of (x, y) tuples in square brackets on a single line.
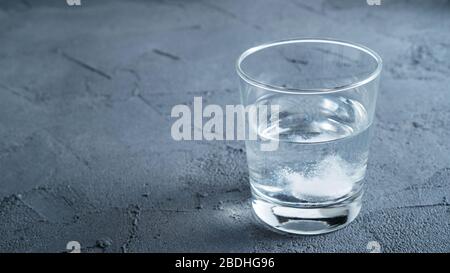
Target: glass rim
[(286, 90)]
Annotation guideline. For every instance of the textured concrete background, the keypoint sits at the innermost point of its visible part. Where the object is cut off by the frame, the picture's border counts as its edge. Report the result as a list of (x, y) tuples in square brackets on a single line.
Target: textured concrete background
[(85, 146)]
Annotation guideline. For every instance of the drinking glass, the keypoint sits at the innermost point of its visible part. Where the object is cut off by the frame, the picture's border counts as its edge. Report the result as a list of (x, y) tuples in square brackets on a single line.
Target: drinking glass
[(325, 92)]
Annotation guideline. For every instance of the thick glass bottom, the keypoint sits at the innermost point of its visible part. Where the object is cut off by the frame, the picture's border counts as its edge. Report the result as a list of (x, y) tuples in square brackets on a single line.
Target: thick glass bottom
[(306, 220)]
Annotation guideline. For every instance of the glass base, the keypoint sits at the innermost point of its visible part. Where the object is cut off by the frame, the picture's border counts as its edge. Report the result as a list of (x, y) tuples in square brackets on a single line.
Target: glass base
[(306, 220)]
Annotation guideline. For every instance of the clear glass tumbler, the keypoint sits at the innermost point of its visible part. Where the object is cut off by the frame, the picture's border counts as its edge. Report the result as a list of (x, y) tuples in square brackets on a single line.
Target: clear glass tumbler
[(326, 92)]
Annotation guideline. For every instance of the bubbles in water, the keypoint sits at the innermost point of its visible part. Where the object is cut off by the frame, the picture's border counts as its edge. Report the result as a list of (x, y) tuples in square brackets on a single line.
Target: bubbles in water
[(322, 153), (331, 178)]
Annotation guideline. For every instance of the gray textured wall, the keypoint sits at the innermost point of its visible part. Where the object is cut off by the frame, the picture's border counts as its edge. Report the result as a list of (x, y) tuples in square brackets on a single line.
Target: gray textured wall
[(85, 146)]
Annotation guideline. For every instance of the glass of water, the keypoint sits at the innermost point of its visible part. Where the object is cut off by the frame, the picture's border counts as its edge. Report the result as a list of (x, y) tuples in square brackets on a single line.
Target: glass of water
[(325, 92)]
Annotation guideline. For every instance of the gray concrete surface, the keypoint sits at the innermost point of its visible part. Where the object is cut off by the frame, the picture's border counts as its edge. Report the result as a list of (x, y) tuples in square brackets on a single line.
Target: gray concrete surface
[(85, 146)]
